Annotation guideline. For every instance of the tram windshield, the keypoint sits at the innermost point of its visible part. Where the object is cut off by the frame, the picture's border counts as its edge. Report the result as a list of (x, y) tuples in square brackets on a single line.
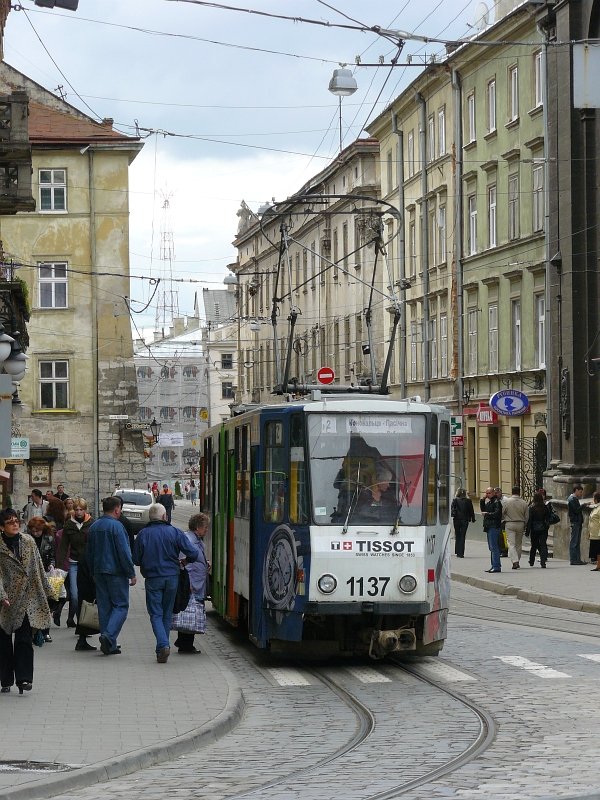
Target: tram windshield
[(367, 468)]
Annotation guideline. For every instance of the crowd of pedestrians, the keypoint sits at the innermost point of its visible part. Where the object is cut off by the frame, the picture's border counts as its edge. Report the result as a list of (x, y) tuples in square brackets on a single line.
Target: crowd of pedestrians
[(64, 557)]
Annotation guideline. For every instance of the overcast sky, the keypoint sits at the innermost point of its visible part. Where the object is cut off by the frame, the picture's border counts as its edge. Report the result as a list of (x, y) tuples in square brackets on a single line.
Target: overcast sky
[(238, 123)]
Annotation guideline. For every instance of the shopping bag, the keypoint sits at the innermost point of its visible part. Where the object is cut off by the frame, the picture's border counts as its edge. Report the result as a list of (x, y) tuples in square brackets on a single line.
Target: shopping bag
[(182, 598), (56, 579), (192, 619), (88, 616)]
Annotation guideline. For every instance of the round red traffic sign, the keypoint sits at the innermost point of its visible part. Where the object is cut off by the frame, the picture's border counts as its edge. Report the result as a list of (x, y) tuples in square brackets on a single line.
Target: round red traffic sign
[(325, 375)]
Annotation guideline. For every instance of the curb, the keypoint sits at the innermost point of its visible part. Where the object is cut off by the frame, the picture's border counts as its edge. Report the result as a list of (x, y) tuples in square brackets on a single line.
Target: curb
[(135, 760), (530, 596)]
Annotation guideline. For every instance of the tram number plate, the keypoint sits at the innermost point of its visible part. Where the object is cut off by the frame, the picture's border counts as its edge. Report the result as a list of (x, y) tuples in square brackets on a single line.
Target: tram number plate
[(370, 587)]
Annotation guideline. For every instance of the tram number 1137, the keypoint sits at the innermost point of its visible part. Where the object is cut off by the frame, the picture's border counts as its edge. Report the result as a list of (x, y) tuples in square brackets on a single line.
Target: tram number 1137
[(373, 587)]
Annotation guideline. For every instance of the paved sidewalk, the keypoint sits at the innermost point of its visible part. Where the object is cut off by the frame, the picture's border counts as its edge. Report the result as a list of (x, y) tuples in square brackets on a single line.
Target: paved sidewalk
[(108, 716)]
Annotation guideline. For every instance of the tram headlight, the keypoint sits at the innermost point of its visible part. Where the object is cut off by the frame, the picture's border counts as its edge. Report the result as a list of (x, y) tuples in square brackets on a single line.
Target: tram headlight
[(407, 584), (327, 583)]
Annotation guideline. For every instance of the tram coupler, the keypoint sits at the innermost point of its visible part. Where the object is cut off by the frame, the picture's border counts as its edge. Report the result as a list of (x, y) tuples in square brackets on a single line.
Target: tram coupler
[(392, 641)]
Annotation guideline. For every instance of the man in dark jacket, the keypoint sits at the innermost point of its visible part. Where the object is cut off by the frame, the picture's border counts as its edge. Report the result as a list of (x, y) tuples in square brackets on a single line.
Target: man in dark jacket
[(491, 508), (165, 498), (462, 513), (576, 522), (156, 551)]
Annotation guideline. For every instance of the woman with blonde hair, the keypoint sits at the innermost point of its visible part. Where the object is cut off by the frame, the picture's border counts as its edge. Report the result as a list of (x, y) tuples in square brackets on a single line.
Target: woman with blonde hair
[(74, 541)]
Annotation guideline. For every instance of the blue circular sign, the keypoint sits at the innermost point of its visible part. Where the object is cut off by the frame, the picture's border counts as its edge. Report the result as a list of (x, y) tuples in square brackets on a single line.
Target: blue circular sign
[(509, 402)]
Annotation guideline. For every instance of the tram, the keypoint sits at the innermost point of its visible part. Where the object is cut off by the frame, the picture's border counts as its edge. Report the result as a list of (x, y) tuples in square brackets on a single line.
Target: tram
[(330, 524)]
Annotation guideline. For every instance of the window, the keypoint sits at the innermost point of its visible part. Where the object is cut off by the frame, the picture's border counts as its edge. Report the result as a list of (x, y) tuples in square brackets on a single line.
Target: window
[(471, 131), (538, 198), (491, 216), (540, 330), (412, 248), (226, 360), (472, 342), (304, 270), (431, 235), (53, 285), (538, 78), (53, 189), (513, 93), (413, 351), (227, 390), (443, 345), (345, 244), (516, 334), (313, 263), (433, 348), (441, 227), (491, 106), (431, 138), (390, 171), (493, 338), (410, 153), (442, 132), (513, 207), (336, 270), (275, 473), (472, 232), (54, 384)]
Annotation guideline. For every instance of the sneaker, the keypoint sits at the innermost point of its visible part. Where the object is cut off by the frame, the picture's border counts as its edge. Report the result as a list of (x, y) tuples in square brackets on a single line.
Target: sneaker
[(105, 646), (163, 655)]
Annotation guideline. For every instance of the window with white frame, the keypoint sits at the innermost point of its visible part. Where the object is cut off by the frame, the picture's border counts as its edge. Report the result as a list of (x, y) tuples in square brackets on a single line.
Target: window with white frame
[(431, 138), (471, 130), (491, 105), (513, 207), (431, 235), (515, 316), (390, 172), (513, 93), (53, 284), (226, 360), (433, 348), (313, 263), (413, 350), (443, 345), (54, 384), (472, 222), (53, 189), (442, 132), (540, 330), (493, 338), (410, 153), (472, 341), (335, 250), (441, 229), (304, 270), (538, 78), (538, 197), (491, 216), (412, 248)]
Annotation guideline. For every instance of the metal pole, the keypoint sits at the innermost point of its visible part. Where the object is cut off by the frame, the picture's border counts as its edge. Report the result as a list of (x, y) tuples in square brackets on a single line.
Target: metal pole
[(340, 107)]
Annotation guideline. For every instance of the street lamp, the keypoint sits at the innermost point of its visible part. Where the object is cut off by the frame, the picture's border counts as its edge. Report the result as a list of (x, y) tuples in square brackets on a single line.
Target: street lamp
[(342, 84), (155, 430)]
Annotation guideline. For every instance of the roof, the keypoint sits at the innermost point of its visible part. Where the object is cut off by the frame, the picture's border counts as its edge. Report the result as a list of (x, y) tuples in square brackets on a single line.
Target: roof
[(219, 305), (187, 345), (49, 126)]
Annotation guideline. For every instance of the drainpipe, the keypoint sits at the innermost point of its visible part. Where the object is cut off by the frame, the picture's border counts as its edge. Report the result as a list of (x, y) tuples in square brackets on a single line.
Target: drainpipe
[(401, 254), (458, 252), (424, 240), (94, 310)]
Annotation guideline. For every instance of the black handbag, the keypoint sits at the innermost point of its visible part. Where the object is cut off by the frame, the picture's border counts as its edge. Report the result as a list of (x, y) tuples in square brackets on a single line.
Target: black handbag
[(182, 598)]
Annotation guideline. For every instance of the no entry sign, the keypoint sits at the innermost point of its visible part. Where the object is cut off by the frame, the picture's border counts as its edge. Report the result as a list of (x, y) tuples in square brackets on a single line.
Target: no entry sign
[(325, 375)]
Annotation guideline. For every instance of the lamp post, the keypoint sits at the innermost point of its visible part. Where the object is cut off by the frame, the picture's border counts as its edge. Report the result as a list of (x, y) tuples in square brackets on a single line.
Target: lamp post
[(155, 430), (342, 84)]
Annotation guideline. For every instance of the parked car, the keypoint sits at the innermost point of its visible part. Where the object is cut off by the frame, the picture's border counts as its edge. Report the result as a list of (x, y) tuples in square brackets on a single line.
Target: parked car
[(136, 506)]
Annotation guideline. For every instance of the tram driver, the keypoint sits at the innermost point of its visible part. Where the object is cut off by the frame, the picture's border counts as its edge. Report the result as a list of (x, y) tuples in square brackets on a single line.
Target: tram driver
[(377, 503)]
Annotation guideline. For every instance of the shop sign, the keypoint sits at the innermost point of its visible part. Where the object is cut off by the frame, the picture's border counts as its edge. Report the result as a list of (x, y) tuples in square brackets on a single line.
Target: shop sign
[(510, 402), (456, 431), (486, 415), (19, 447)]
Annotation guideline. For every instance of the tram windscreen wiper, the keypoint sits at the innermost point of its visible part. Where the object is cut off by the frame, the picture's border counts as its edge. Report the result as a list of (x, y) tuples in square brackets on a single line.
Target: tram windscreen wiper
[(353, 500), (404, 492)]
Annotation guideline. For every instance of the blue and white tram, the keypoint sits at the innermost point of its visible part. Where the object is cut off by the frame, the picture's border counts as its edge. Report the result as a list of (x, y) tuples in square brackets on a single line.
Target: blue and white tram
[(331, 524)]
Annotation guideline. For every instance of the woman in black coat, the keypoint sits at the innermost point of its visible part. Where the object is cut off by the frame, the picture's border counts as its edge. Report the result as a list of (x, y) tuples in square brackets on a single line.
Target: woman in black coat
[(538, 524), (462, 512)]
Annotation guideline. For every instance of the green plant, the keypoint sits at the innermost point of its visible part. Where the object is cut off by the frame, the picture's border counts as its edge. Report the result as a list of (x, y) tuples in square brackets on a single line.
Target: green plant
[(178, 489)]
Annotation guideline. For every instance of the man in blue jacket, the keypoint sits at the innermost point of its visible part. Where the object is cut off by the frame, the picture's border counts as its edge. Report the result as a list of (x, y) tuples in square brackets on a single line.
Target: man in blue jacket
[(109, 558), (156, 551)]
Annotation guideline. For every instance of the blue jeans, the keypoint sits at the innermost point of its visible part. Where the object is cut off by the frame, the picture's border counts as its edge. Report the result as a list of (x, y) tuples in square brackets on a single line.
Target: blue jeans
[(73, 595), (492, 540), (574, 544), (160, 596), (112, 598)]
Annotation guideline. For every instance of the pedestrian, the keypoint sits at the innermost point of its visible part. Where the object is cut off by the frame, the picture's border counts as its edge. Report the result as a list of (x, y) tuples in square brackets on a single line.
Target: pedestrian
[(462, 512), (36, 506), (55, 511), (594, 532), (24, 593), (186, 490), (167, 500), (576, 521), (193, 492), (43, 535), (515, 513), (502, 538), (538, 523), (198, 570), (156, 552), (74, 542), (491, 508), (109, 558), (60, 492)]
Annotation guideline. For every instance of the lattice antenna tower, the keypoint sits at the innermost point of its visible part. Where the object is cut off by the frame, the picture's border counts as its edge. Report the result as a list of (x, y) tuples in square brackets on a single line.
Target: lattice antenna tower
[(167, 306)]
